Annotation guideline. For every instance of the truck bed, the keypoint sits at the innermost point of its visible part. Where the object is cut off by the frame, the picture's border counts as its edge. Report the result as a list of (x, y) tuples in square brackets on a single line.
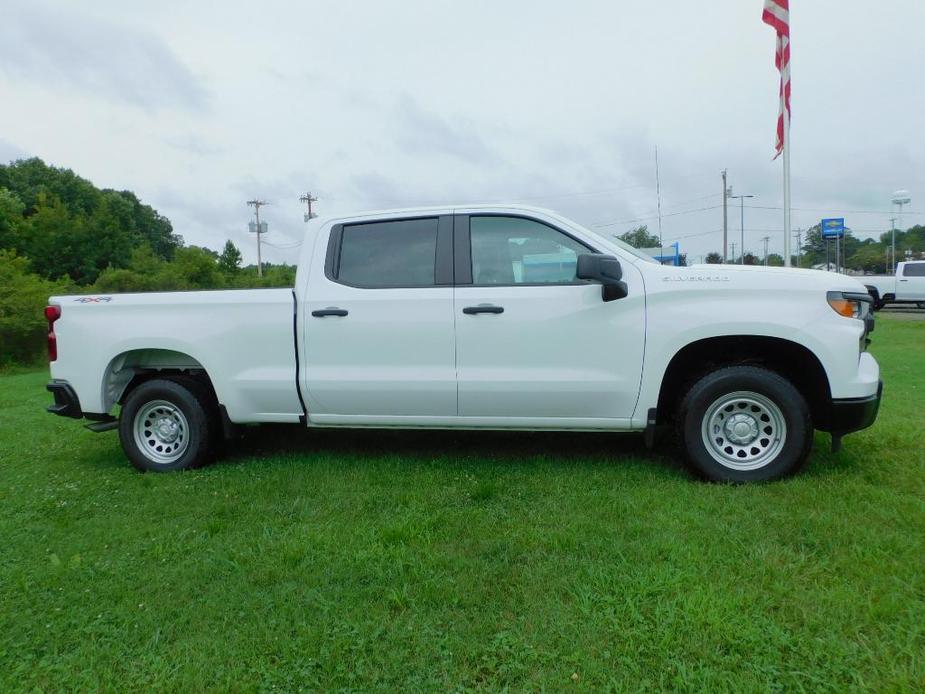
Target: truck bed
[(244, 339)]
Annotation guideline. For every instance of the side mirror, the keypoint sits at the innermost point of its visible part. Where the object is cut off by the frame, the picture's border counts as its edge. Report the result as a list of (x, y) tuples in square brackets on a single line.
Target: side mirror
[(605, 269)]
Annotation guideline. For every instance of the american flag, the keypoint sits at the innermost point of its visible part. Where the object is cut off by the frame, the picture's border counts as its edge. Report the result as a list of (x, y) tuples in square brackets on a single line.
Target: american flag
[(777, 14)]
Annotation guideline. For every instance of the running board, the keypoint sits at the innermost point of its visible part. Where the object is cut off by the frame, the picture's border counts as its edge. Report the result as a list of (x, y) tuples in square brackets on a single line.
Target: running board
[(106, 425)]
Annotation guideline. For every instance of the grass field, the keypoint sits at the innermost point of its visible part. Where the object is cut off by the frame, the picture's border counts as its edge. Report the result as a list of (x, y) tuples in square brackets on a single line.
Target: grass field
[(435, 561)]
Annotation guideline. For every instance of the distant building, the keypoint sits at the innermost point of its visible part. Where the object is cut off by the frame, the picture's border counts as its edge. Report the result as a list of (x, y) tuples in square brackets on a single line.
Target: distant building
[(661, 255)]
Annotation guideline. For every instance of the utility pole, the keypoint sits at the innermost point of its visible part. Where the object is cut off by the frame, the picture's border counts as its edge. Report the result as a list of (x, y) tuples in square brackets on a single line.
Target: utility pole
[(900, 197), (799, 234), (892, 243), (766, 239), (308, 200), (837, 253), (741, 199), (658, 200), (726, 192), (257, 204), (733, 244)]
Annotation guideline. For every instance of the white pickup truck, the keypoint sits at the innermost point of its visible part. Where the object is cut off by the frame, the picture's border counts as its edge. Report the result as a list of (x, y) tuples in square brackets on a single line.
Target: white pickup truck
[(907, 286), (479, 317)]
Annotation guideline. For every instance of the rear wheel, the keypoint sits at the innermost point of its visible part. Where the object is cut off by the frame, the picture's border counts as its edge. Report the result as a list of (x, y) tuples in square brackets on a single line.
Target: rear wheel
[(744, 424), (166, 425)]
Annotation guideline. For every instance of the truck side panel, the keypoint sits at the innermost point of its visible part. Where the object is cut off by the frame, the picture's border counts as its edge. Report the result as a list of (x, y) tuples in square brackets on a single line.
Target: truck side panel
[(243, 339)]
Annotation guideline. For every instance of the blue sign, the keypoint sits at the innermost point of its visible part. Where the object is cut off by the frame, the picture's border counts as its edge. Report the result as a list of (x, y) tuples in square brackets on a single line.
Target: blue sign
[(833, 228)]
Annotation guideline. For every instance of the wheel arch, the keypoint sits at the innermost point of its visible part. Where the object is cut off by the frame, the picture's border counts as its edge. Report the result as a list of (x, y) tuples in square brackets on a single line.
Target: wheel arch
[(793, 361), (128, 369)]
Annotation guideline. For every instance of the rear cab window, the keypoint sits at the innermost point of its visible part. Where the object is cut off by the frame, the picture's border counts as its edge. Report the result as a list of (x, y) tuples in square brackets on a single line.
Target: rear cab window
[(386, 254)]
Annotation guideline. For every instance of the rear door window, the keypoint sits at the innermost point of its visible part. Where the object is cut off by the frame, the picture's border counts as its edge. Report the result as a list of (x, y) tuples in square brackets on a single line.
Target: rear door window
[(400, 253)]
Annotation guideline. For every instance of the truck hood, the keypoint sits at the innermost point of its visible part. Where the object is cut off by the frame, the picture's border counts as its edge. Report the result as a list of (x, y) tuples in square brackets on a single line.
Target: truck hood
[(782, 276)]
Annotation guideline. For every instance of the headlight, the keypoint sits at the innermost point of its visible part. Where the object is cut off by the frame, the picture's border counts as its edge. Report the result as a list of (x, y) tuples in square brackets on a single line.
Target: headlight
[(850, 304)]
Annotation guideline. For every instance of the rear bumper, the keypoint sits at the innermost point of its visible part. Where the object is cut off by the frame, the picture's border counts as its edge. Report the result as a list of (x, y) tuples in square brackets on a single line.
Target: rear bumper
[(854, 414), (67, 404)]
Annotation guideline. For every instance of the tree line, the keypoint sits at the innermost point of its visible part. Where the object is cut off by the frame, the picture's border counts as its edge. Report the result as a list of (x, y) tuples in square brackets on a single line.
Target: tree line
[(60, 234), (870, 256)]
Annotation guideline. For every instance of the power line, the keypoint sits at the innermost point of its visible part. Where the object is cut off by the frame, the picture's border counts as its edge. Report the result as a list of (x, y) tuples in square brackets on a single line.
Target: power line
[(654, 213), (830, 209), (285, 247), (776, 230), (639, 219)]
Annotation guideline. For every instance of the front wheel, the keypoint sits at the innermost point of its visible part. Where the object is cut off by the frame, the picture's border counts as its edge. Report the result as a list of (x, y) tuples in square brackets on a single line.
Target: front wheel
[(165, 426), (744, 424)]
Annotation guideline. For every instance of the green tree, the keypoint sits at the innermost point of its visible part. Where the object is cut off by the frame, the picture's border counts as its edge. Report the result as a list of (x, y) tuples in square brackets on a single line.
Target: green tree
[(229, 262), (196, 268), (57, 243), (152, 227), (11, 210), (23, 297), (869, 257), (640, 238), (714, 258), (69, 227)]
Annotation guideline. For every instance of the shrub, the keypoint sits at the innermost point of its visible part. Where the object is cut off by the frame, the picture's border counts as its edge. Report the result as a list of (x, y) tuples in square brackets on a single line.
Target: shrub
[(23, 296)]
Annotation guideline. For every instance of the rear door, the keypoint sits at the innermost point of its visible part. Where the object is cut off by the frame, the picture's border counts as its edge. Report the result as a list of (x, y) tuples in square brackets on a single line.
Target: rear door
[(379, 323), (534, 343), (910, 283)]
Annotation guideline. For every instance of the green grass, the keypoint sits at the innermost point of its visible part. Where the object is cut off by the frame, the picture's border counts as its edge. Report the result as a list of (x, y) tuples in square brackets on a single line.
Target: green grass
[(436, 561)]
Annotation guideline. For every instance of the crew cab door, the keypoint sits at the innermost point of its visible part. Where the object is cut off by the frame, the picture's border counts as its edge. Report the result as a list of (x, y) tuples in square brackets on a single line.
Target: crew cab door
[(378, 323), (910, 282), (533, 343)]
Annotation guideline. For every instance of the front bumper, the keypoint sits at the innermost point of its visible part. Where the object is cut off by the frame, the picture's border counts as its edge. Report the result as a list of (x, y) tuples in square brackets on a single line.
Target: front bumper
[(854, 414), (67, 404)]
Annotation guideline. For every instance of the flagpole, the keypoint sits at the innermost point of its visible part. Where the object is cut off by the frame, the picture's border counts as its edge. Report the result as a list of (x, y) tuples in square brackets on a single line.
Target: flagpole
[(786, 142)]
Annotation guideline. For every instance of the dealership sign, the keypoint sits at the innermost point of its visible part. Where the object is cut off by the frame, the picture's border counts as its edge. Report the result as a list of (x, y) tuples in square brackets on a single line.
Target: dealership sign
[(833, 228)]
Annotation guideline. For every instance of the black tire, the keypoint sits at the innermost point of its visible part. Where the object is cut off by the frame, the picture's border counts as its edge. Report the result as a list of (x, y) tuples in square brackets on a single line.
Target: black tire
[(761, 404), (187, 413), (205, 395)]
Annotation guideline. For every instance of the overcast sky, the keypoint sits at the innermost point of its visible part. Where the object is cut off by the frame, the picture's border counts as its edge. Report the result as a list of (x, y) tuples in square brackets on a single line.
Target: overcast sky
[(199, 106)]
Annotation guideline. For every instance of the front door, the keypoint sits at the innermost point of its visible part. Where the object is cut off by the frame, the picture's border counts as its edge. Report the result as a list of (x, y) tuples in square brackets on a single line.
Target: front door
[(532, 341), (910, 285), (379, 338)]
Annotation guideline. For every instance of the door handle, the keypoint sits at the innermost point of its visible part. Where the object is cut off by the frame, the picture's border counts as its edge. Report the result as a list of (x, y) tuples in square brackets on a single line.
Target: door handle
[(483, 308), (903, 280), (329, 311)]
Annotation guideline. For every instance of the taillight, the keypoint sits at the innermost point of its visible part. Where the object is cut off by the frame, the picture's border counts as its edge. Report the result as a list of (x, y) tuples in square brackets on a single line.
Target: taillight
[(52, 313)]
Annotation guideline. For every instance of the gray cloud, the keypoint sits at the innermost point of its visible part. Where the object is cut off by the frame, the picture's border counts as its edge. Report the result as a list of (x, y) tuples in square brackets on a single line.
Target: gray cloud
[(560, 107), (193, 144), (57, 48), (9, 152), (420, 131)]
